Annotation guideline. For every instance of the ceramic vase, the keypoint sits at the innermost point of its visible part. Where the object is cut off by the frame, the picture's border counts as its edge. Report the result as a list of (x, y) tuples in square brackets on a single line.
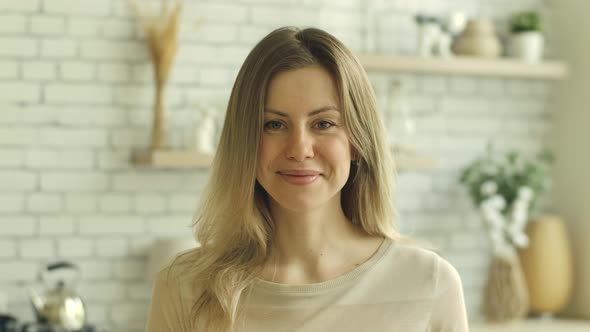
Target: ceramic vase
[(505, 295), (527, 46), (478, 39), (547, 265)]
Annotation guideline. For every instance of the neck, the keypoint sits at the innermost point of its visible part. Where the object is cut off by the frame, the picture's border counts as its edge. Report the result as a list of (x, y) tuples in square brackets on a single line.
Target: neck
[(306, 236), (315, 245)]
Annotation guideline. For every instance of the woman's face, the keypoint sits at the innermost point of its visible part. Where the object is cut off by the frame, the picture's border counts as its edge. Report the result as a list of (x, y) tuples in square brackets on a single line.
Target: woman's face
[(304, 155)]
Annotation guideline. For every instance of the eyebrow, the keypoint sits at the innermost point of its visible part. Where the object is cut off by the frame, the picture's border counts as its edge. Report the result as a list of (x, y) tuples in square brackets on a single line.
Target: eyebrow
[(314, 112)]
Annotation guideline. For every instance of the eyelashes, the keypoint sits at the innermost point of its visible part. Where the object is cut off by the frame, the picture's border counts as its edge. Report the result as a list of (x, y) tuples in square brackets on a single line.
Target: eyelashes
[(275, 125), (323, 124)]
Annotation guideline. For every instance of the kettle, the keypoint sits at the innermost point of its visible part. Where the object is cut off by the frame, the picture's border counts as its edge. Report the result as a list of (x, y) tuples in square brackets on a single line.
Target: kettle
[(7, 323), (60, 306)]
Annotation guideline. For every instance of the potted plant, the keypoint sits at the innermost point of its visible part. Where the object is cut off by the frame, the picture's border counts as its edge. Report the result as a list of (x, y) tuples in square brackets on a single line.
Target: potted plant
[(505, 188), (526, 40)]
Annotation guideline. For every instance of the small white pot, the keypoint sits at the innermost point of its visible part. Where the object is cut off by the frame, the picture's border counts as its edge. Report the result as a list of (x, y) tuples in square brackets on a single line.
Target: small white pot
[(527, 46)]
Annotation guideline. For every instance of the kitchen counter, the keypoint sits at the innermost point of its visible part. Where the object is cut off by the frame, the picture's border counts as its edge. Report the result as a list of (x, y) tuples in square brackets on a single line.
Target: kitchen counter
[(534, 325)]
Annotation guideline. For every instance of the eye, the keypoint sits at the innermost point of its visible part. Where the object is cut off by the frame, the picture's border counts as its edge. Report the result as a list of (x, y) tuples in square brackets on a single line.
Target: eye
[(273, 125), (324, 124)]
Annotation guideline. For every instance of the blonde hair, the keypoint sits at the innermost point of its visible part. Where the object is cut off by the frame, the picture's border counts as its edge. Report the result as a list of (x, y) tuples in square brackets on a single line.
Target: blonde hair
[(234, 225)]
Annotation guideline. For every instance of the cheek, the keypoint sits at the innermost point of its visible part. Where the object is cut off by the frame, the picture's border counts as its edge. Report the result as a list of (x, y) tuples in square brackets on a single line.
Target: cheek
[(266, 153), (337, 151)]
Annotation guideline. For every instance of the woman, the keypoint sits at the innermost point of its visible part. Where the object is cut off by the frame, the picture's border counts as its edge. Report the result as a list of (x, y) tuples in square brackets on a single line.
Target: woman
[(296, 224)]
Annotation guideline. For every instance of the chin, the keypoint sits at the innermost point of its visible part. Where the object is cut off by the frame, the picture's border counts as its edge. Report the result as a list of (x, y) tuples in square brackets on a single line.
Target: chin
[(299, 206), (303, 202)]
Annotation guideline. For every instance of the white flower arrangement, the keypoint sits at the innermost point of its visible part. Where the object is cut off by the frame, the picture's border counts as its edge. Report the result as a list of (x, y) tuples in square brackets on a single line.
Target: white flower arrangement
[(505, 190)]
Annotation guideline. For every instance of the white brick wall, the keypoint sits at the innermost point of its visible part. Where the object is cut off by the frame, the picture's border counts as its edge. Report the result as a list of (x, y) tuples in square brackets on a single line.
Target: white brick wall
[(13, 24), (35, 114), (76, 96), (112, 247), (109, 224), (78, 181), (76, 70), (109, 72), (20, 92), (9, 69), (37, 248), (149, 203), (72, 138), (44, 203), (110, 203), (16, 225), (83, 26), (47, 25), (95, 269), (17, 271), (113, 50), (39, 71), (81, 203), (12, 203), (17, 181), (77, 8), (57, 225), (59, 159), (120, 29), (24, 6), (75, 248), (24, 46), (58, 48), (7, 248)]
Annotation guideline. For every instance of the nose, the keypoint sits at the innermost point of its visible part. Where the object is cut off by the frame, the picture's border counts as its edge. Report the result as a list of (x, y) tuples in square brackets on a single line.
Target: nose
[(299, 145)]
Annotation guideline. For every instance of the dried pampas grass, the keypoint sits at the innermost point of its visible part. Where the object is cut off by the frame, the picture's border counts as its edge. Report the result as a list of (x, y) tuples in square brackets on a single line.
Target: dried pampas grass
[(161, 33)]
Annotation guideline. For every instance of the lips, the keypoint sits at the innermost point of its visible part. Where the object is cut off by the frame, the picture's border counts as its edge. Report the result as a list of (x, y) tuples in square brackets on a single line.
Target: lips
[(299, 172), (299, 177)]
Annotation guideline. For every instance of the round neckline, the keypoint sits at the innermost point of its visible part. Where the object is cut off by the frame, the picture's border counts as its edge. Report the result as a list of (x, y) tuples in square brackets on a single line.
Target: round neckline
[(327, 284)]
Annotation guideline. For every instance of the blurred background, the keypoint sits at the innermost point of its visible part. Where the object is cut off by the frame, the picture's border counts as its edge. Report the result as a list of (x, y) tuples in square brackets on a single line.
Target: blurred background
[(83, 179)]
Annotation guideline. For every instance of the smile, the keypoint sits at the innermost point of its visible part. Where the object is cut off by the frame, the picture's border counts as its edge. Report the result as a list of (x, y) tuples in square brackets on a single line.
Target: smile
[(299, 177)]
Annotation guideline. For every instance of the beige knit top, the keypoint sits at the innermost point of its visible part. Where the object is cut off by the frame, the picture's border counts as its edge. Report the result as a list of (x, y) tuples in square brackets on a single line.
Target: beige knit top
[(400, 288)]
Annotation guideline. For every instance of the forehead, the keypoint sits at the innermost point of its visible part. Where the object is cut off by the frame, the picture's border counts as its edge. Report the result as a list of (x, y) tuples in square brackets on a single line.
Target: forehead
[(309, 87)]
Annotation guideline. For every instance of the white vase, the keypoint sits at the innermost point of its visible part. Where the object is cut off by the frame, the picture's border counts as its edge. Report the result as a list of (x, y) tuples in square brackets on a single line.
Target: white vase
[(527, 46), (428, 35)]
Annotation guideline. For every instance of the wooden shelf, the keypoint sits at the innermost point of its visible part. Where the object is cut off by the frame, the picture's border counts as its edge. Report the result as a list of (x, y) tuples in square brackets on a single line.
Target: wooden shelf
[(501, 67), (178, 159)]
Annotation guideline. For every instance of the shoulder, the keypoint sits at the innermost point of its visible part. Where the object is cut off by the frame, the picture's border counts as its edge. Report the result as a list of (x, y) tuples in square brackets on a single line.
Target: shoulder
[(429, 277), (174, 292), (179, 274), (414, 259), (172, 298), (419, 272), (447, 277)]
